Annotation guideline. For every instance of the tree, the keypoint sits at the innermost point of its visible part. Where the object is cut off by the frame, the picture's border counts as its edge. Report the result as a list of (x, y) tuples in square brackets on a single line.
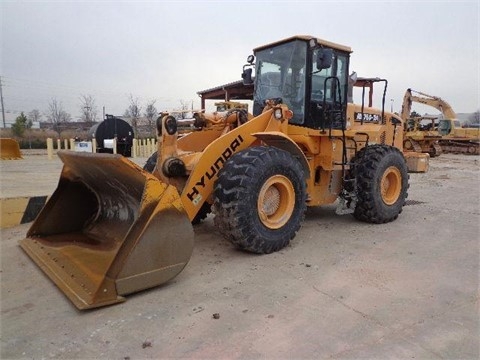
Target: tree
[(151, 114), (185, 106), (88, 109), (133, 111), (35, 116), (57, 115), (21, 123)]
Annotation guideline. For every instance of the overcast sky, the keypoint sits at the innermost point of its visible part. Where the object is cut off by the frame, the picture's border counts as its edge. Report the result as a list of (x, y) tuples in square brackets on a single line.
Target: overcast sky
[(169, 50)]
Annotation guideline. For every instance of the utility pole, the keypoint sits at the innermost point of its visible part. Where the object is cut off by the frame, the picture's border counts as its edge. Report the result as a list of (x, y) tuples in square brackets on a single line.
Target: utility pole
[(1, 100)]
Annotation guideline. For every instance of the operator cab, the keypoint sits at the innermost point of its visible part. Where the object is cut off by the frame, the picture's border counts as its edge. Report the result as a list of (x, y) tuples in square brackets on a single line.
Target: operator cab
[(307, 74), (446, 126)]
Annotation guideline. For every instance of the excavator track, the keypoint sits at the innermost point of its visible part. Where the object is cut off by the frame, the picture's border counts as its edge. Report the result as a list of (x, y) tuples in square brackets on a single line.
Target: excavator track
[(437, 150), (467, 147)]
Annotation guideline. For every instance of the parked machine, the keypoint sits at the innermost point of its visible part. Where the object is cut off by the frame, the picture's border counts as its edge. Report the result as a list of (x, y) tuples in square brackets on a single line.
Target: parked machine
[(9, 149), (112, 228), (421, 135), (113, 132), (230, 105), (452, 137)]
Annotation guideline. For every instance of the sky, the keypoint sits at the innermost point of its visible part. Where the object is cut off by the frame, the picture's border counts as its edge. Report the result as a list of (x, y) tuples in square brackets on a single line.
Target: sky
[(169, 50)]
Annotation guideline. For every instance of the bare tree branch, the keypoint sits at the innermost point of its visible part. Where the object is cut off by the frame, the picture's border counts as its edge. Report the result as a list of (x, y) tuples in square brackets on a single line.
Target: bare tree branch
[(57, 115), (35, 115), (88, 108), (133, 111), (151, 114)]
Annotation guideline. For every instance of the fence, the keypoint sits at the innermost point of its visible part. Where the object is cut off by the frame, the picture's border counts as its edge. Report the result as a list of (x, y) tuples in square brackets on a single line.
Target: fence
[(140, 147)]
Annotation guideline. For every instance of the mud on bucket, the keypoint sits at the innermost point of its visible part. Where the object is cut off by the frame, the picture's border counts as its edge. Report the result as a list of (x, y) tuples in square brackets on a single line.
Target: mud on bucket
[(108, 230)]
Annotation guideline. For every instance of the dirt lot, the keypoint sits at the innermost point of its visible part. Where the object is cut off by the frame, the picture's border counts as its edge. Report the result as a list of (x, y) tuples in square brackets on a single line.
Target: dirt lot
[(342, 289)]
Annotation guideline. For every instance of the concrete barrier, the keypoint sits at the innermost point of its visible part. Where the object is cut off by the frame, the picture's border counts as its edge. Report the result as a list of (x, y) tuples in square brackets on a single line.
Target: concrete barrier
[(143, 147), (140, 147)]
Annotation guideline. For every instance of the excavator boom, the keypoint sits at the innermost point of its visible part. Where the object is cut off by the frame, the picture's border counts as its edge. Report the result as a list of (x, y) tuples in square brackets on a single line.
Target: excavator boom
[(422, 98)]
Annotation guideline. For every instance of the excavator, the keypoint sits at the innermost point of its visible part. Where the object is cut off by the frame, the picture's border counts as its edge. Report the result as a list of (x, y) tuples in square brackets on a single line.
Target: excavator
[(452, 138), (112, 228)]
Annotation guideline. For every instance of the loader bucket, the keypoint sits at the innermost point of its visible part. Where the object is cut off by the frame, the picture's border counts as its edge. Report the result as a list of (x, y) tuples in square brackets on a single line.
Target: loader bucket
[(9, 149), (109, 229)]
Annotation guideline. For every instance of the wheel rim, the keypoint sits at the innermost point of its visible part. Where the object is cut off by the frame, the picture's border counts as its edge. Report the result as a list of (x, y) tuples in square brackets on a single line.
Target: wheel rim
[(391, 185), (276, 202)]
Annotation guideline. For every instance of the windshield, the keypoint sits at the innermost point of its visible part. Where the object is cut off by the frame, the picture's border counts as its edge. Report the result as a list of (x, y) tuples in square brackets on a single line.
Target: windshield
[(322, 83), (444, 127), (280, 73)]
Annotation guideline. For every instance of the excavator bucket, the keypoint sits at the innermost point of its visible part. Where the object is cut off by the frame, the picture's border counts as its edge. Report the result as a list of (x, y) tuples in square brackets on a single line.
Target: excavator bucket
[(109, 229), (9, 149)]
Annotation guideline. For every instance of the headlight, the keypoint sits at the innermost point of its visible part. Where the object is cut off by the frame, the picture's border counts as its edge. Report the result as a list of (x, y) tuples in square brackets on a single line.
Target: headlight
[(278, 113)]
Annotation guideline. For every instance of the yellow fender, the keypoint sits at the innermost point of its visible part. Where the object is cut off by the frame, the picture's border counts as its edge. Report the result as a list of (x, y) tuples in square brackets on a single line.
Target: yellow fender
[(282, 141)]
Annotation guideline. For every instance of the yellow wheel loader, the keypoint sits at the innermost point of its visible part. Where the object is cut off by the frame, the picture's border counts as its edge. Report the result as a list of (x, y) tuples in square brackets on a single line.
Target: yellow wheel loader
[(112, 228), (9, 149)]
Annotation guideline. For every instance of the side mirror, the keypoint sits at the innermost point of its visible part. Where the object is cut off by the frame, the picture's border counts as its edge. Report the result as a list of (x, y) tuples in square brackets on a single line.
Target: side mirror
[(324, 58), (247, 76)]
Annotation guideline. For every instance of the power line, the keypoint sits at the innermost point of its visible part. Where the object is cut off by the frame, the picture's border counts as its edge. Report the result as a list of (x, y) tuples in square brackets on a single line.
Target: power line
[(22, 94), (29, 84)]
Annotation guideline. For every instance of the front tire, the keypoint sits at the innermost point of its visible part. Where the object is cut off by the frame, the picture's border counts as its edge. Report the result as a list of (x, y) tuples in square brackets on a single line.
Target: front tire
[(260, 199), (381, 184)]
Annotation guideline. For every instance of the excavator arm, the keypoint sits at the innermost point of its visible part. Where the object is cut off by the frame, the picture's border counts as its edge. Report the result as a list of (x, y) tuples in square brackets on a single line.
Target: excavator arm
[(422, 98)]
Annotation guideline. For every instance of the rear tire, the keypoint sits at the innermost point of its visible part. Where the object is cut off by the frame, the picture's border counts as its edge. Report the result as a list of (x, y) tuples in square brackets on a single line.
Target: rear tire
[(381, 182), (260, 199)]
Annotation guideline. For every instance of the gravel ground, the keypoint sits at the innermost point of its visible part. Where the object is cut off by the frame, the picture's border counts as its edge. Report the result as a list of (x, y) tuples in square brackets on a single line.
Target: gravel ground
[(341, 290)]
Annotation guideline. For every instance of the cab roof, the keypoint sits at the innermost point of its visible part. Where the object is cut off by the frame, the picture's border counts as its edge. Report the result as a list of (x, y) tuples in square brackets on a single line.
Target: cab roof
[(306, 38)]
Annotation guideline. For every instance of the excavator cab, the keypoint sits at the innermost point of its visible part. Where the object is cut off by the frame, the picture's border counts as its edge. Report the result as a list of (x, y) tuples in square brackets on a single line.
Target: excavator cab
[(444, 127), (310, 78)]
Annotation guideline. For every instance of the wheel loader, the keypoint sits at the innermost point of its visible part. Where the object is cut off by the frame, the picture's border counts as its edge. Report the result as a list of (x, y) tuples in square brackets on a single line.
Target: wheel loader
[(112, 228)]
